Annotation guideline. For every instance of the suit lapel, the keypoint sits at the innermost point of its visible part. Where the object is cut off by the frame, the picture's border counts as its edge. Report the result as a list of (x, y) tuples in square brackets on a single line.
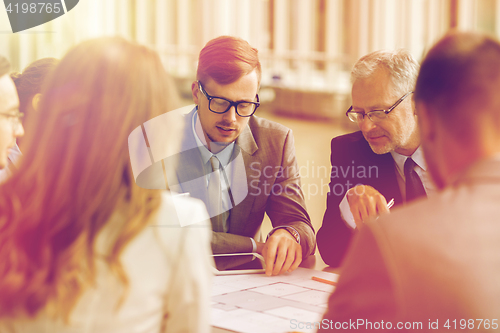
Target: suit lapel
[(388, 173), (252, 165), (188, 165)]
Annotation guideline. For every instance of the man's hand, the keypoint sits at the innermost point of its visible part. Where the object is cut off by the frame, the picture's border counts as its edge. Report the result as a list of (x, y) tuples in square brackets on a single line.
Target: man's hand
[(281, 252), (366, 203)]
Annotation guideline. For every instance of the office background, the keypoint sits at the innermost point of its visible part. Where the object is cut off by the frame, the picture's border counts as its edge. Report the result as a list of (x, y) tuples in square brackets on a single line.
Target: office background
[(307, 48)]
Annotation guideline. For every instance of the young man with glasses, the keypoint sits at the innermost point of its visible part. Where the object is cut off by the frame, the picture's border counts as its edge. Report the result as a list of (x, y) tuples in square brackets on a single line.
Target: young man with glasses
[(380, 164), (240, 165), (10, 120)]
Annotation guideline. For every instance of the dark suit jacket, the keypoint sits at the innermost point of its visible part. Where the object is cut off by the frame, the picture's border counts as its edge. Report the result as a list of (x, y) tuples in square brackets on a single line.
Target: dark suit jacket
[(432, 260), (353, 163), (265, 165)]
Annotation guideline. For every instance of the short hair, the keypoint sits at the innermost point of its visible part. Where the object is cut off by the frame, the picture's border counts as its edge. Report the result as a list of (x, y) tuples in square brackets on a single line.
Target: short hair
[(460, 80), (400, 64), (225, 59), (4, 66), (29, 82)]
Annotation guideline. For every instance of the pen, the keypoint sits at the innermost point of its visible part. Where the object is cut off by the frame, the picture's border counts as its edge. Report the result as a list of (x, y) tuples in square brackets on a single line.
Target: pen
[(390, 204), (333, 283)]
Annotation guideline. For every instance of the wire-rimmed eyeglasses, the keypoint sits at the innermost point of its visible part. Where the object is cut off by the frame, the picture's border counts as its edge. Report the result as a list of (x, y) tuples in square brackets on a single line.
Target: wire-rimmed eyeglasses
[(375, 115)]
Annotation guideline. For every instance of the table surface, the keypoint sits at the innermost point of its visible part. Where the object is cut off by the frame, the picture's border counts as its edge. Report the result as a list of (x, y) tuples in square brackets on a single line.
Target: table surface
[(313, 262), (316, 262)]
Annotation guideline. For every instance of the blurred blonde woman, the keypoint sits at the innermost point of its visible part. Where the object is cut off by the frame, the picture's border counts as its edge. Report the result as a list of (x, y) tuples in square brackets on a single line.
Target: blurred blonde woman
[(82, 248)]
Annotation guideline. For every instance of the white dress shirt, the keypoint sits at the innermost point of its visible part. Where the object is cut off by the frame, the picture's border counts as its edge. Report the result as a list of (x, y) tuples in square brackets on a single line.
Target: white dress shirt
[(223, 156)]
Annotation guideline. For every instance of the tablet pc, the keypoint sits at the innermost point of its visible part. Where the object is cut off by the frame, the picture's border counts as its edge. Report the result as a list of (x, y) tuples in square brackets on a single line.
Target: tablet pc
[(238, 263)]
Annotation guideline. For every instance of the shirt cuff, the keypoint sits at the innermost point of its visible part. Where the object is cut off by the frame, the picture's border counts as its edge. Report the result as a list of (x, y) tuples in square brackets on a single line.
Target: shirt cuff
[(254, 245), (346, 214)]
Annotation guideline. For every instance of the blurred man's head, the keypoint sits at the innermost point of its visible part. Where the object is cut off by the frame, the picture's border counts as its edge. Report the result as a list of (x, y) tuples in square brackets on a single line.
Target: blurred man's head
[(458, 101), (381, 80), (10, 125), (228, 71)]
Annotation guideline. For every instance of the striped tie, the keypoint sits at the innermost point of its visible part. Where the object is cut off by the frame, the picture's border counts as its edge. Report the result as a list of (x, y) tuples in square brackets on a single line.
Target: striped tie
[(219, 216)]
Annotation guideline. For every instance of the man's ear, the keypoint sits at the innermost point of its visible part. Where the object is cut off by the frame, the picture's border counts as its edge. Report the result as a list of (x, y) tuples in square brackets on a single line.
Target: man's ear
[(35, 101), (427, 124), (194, 90)]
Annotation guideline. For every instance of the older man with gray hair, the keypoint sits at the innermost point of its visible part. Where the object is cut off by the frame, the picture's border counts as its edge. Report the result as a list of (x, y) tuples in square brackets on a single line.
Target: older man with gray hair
[(380, 165), (434, 265)]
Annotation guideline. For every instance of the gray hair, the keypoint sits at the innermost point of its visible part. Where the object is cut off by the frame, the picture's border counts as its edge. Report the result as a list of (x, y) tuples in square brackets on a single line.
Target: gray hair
[(400, 64)]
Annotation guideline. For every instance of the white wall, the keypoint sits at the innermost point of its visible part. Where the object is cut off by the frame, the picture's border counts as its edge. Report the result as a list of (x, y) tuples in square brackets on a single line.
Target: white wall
[(178, 29)]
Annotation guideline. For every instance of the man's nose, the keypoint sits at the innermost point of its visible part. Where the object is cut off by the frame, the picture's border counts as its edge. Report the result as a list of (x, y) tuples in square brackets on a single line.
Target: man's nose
[(19, 132), (230, 115), (366, 125)]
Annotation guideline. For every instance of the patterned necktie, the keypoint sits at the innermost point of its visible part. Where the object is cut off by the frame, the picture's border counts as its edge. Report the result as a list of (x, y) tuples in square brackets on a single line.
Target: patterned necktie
[(414, 187), (217, 213)]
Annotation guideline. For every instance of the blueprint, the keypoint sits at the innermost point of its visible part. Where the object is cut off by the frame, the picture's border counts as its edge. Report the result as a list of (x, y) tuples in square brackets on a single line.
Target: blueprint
[(291, 302)]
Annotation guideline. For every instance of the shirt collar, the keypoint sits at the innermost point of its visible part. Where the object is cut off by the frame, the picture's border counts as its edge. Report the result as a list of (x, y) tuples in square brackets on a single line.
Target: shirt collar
[(417, 157), (15, 154), (223, 156)]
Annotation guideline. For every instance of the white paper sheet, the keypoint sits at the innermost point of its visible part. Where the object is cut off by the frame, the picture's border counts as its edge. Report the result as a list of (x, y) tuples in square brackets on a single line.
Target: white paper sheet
[(314, 297), (259, 303), (279, 289)]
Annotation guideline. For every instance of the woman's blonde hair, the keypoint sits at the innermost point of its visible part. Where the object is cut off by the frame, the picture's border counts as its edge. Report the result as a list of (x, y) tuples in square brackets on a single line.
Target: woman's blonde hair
[(76, 174)]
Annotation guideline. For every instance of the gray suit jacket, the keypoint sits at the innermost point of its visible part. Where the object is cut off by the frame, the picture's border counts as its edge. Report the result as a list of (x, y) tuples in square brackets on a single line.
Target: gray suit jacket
[(265, 180), (434, 260)]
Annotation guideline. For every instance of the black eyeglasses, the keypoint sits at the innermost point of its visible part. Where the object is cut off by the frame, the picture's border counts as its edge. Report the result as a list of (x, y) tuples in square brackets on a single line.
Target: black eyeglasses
[(222, 105), (375, 115)]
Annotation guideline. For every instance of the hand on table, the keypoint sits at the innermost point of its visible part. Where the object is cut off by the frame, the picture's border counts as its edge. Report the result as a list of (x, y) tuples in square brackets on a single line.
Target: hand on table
[(281, 252), (366, 203)]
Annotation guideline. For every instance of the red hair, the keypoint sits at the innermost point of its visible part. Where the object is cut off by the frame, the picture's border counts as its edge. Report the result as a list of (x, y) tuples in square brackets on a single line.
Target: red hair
[(75, 175), (225, 59)]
